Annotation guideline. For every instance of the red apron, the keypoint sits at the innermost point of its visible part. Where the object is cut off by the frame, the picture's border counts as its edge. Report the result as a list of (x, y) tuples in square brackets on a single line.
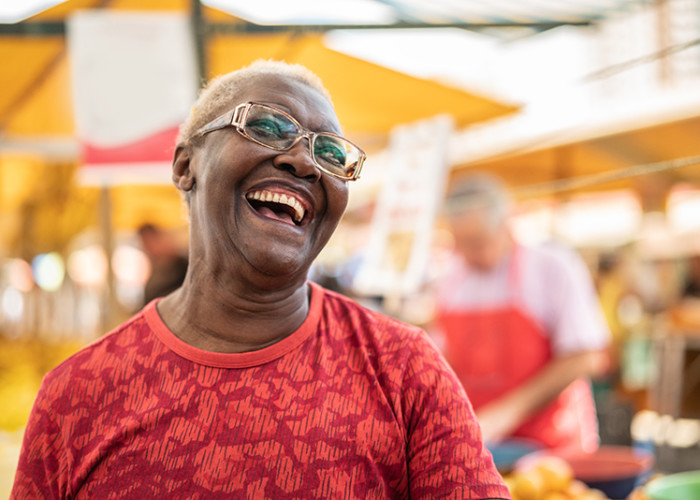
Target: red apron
[(495, 350)]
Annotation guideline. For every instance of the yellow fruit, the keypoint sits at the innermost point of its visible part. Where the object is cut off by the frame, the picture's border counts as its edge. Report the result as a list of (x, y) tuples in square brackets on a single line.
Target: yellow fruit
[(577, 487), (510, 482), (556, 495), (556, 473), (528, 485), (638, 494), (591, 495)]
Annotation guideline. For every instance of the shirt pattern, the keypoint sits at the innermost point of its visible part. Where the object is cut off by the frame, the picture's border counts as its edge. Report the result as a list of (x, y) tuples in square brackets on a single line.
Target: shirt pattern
[(352, 405)]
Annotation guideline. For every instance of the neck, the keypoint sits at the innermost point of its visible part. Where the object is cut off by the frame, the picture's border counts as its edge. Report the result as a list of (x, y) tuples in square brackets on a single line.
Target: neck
[(234, 314)]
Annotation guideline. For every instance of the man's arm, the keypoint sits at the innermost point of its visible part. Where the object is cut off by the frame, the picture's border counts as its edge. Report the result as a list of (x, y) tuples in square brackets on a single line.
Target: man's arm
[(579, 339), (502, 416)]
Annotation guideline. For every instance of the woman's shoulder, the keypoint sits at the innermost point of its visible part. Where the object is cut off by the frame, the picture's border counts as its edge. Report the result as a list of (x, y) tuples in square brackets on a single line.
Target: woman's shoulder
[(341, 309), (377, 334), (400, 354), (103, 354)]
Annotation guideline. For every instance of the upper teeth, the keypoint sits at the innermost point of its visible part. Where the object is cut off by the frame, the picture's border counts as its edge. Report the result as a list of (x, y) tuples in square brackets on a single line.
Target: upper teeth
[(280, 198)]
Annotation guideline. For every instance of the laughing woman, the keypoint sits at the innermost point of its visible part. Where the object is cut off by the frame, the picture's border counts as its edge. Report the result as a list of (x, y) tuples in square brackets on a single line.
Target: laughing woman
[(249, 381)]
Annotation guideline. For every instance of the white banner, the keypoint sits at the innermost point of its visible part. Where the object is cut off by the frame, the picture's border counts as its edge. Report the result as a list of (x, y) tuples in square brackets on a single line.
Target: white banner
[(134, 81)]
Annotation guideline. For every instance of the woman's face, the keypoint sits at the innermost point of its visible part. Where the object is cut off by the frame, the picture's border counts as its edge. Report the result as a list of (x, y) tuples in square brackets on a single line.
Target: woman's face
[(232, 224)]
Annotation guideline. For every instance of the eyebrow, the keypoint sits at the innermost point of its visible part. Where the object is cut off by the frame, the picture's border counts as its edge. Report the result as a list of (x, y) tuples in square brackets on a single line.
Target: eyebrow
[(326, 126), (276, 105)]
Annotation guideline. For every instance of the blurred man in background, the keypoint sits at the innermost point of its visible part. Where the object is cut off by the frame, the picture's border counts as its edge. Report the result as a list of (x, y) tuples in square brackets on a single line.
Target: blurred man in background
[(691, 287), (168, 262), (522, 326)]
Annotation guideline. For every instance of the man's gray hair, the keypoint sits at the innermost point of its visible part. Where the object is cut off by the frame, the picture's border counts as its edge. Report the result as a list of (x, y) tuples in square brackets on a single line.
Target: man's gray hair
[(479, 191)]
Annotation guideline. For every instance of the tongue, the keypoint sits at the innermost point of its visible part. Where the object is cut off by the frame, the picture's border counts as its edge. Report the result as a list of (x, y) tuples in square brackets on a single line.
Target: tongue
[(280, 216)]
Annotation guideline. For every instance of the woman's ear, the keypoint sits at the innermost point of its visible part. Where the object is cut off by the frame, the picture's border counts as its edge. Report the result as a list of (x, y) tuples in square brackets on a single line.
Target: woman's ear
[(183, 177)]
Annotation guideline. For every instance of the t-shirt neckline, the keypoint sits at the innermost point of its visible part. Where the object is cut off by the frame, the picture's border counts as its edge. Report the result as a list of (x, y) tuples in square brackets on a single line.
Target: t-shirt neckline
[(242, 359)]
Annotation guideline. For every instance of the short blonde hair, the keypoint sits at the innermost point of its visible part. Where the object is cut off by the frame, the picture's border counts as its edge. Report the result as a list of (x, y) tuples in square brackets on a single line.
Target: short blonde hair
[(216, 97)]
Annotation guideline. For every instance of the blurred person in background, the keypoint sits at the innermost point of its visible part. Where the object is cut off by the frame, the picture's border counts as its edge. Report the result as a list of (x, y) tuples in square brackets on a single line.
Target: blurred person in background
[(613, 294), (685, 311), (521, 325), (691, 285), (168, 262), (249, 381)]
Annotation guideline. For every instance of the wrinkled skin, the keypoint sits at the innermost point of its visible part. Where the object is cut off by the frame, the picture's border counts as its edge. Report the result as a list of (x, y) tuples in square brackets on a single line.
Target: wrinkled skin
[(246, 284)]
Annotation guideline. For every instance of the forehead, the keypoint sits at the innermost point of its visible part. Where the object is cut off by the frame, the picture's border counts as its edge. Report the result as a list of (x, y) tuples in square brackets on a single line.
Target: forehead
[(471, 221), (305, 103)]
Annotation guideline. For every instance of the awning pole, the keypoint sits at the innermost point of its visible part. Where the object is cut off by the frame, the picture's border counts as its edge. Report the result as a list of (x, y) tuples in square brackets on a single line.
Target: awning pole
[(109, 304), (664, 38), (199, 30)]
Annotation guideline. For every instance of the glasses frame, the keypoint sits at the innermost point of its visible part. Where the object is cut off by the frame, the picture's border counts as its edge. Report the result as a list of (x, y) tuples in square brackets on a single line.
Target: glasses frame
[(237, 117)]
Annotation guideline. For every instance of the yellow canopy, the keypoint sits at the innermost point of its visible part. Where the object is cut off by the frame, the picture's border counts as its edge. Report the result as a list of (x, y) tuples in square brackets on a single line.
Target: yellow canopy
[(36, 104), (370, 99), (602, 149)]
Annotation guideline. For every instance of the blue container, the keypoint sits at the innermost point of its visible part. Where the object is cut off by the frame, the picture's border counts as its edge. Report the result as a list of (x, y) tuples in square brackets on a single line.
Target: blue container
[(509, 451)]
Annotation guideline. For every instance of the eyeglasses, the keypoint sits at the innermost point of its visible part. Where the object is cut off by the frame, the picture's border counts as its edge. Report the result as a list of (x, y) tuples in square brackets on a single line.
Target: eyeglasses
[(275, 129)]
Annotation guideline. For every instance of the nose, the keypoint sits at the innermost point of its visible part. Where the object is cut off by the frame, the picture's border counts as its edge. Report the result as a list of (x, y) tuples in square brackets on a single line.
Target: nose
[(298, 161)]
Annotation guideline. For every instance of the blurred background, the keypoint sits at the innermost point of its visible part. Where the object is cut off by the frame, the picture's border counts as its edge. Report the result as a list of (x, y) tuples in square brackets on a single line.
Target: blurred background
[(588, 109)]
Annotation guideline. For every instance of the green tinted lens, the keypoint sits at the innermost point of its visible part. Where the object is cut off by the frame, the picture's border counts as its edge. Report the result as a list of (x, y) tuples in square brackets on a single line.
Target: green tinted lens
[(336, 155), (270, 127)]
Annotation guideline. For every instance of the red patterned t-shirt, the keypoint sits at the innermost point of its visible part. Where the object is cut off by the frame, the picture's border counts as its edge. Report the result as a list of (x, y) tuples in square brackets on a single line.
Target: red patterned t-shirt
[(351, 405)]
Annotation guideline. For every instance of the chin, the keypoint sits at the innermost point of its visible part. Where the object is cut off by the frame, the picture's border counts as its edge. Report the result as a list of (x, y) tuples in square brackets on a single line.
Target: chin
[(276, 264)]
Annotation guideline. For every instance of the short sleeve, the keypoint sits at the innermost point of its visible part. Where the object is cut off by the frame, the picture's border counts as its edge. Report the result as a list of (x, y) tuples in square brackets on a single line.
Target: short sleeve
[(42, 471), (445, 453), (577, 321)]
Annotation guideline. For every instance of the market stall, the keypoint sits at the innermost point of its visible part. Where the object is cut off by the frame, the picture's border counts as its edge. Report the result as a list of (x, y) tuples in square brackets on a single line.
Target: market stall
[(71, 258), (73, 266)]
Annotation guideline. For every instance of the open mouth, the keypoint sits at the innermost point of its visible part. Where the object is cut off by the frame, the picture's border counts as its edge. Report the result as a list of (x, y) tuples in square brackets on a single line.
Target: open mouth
[(278, 206)]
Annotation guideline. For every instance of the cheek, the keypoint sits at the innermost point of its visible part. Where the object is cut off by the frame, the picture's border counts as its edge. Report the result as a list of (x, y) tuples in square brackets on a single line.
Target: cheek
[(337, 198), (229, 157)]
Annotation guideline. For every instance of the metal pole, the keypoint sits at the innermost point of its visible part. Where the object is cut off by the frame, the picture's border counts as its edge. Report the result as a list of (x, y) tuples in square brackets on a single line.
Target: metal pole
[(37, 29), (199, 30), (664, 38), (108, 311), (237, 28)]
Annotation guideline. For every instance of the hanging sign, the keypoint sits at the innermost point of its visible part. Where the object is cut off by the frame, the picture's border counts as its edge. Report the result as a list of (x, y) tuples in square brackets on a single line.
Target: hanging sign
[(134, 81), (398, 251)]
